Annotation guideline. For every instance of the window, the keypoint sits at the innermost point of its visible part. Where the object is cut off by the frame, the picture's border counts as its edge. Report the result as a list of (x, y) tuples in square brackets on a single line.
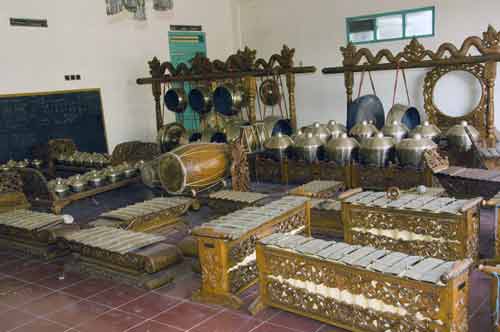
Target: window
[(391, 26)]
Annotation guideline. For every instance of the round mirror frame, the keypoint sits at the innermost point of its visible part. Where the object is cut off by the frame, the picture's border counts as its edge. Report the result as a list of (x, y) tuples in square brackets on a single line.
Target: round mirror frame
[(477, 117)]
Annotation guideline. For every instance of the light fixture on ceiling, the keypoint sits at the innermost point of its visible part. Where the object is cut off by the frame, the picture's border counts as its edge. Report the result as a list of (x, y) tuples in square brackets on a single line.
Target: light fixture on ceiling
[(138, 7)]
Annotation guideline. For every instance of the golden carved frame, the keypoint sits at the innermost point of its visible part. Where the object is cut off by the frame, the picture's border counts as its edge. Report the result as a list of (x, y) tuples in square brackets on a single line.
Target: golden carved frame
[(243, 65), (477, 117), (415, 55)]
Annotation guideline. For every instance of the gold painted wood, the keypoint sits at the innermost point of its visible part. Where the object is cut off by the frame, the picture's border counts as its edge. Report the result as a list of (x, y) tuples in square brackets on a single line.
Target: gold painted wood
[(33, 233), (478, 117), (241, 65), (227, 267), (319, 189), (150, 216), (411, 304), (135, 258), (446, 57), (421, 225)]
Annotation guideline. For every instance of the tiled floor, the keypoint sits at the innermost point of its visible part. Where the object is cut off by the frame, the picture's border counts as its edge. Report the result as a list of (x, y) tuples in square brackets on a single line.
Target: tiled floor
[(34, 298), (78, 303)]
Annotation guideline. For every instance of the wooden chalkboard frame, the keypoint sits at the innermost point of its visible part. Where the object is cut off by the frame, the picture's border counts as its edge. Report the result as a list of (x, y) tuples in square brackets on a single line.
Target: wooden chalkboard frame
[(55, 92)]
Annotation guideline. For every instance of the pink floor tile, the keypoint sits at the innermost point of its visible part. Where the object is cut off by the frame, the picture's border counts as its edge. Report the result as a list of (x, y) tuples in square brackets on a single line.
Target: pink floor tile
[(118, 295), (186, 315), (78, 313), (149, 305)]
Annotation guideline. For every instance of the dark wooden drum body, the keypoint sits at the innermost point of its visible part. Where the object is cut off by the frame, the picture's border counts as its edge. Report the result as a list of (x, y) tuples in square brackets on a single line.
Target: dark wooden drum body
[(194, 167)]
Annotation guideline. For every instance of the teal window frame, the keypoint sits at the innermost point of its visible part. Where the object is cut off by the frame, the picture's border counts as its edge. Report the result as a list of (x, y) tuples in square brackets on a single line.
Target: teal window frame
[(403, 13)]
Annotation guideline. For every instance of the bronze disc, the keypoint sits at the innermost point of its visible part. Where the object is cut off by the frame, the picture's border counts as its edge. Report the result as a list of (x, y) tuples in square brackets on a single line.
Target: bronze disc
[(269, 92)]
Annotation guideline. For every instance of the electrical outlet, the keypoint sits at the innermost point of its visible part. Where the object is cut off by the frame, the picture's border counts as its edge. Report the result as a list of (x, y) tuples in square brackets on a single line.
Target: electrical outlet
[(73, 77)]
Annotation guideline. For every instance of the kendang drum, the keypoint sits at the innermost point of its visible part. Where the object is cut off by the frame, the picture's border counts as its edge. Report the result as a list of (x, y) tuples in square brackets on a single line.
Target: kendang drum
[(194, 167), (176, 100)]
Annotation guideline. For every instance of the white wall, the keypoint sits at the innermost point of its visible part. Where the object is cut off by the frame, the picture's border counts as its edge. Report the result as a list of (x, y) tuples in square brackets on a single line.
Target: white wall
[(316, 29), (109, 52)]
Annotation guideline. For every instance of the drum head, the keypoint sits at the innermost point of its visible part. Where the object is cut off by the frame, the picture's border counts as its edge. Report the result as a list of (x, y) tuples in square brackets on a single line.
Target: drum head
[(172, 173), (223, 101), (366, 108), (173, 101)]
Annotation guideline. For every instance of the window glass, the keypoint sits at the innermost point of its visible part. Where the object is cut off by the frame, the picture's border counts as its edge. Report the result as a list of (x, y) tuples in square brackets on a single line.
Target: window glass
[(390, 27), (419, 23)]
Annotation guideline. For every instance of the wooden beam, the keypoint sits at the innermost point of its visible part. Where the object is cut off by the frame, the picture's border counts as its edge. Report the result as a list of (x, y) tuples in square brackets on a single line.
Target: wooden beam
[(407, 65), (227, 75)]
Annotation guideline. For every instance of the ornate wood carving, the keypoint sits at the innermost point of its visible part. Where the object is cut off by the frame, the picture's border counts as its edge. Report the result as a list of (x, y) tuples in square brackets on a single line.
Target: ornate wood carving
[(244, 64), (227, 269), (240, 173), (415, 55), (478, 117), (458, 234), (443, 306), (415, 52), (134, 151)]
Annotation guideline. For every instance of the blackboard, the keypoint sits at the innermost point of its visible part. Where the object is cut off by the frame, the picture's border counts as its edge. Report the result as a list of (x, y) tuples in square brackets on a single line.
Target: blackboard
[(31, 120)]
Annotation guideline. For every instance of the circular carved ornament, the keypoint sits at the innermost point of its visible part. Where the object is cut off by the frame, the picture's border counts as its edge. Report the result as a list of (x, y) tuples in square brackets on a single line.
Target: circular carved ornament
[(477, 117)]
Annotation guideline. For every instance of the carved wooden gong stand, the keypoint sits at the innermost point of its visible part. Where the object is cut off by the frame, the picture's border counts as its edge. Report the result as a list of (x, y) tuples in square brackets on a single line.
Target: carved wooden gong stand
[(243, 65), (447, 57)]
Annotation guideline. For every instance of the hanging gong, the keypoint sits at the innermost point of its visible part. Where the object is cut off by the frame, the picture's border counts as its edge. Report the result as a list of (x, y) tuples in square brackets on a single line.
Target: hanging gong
[(269, 92), (200, 100), (176, 100), (171, 136), (229, 99)]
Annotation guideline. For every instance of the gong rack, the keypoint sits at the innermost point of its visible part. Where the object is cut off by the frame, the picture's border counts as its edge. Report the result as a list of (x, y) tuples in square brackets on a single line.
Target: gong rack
[(415, 55), (240, 66)]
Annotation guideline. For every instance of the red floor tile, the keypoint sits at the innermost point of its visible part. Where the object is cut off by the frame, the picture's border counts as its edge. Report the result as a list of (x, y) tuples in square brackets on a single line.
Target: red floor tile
[(9, 284), (41, 325), (25, 294), (78, 313), (295, 322), (186, 315), (329, 328), (149, 305), (89, 287), (112, 321), (227, 321), (266, 327), (39, 272), (14, 318), (7, 258), (19, 266), (182, 288), (53, 282), (118, 295), (4, 308), (151, 326), (50, 303)]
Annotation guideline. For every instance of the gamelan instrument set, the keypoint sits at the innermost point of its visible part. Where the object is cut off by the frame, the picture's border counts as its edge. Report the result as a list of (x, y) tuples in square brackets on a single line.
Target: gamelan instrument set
[(368, 226)]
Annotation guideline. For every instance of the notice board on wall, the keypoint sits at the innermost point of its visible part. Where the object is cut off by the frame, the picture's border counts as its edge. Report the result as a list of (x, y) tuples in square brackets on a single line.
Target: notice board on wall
[(29, 120)]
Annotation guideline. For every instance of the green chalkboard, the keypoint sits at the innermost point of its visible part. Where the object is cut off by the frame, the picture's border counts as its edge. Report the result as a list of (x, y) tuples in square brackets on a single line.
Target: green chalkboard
[(31, 120)]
